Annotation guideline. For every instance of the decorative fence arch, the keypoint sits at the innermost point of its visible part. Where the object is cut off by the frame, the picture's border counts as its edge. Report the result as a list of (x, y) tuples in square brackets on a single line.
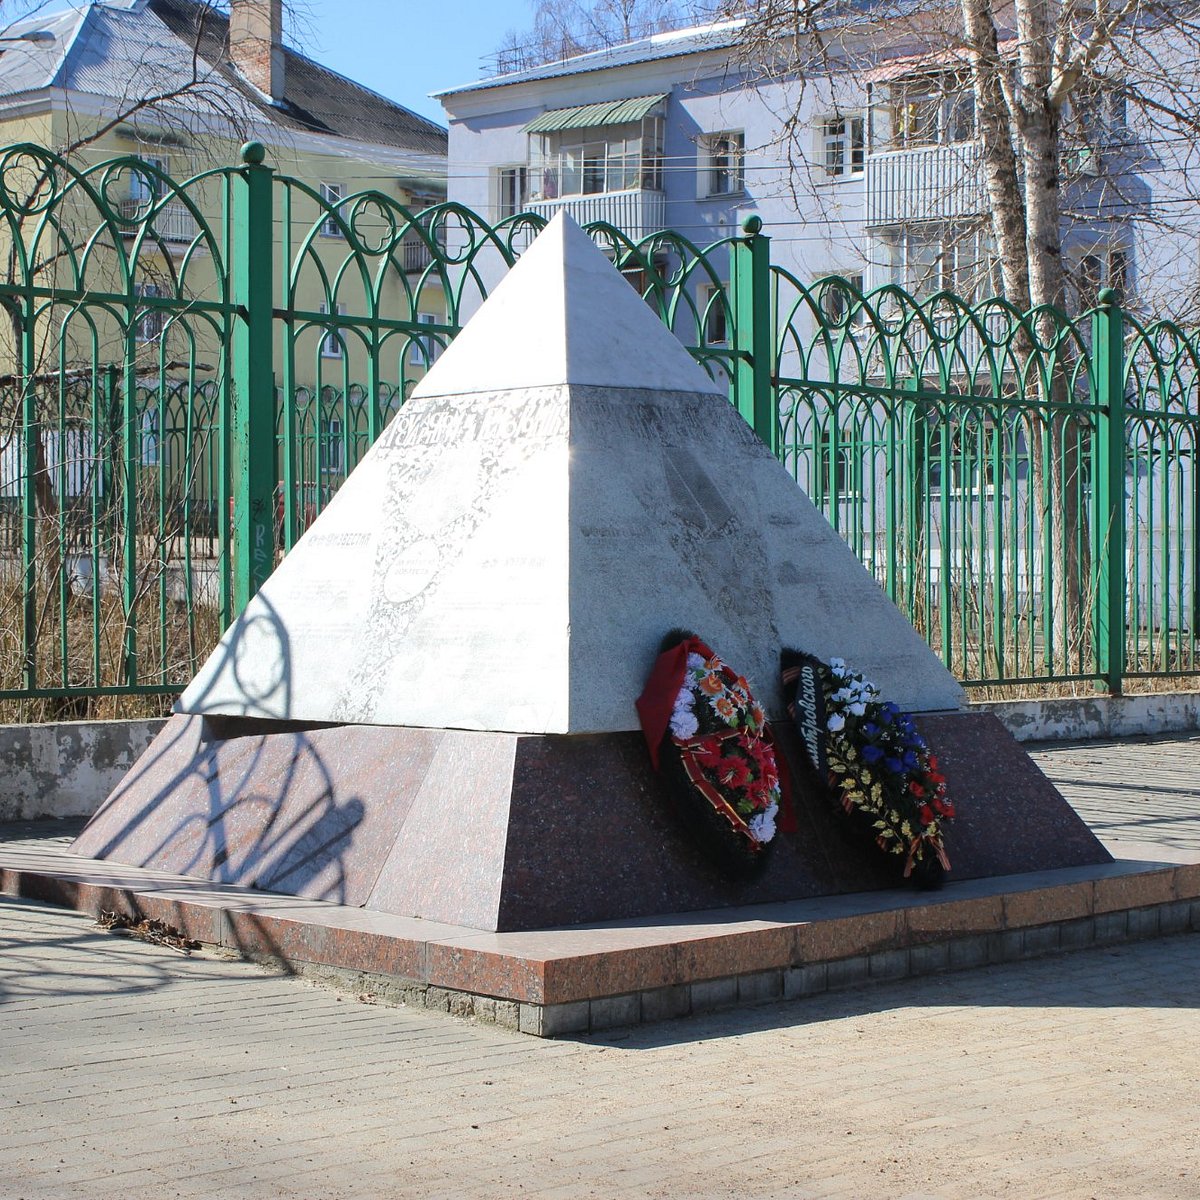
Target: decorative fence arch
[(190, 368)]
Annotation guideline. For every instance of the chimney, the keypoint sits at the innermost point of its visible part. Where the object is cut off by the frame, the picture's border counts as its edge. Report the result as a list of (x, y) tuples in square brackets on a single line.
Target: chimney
[(256, 44)]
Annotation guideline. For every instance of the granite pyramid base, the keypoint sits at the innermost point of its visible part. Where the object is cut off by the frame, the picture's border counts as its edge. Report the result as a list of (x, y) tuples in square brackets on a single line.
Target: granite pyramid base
[(505, 832)]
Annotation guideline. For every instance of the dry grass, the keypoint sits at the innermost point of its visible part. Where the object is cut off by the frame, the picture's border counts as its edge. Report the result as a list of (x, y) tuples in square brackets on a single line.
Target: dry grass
[(1081, 690), (94, 630)]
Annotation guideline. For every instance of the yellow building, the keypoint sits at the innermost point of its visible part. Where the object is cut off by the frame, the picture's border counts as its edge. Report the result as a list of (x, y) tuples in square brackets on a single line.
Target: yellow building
[(137, 253)]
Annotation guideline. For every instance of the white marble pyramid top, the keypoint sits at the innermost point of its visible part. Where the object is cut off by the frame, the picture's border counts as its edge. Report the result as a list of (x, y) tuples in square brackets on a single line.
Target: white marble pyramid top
[(564, 488), (564, 315)]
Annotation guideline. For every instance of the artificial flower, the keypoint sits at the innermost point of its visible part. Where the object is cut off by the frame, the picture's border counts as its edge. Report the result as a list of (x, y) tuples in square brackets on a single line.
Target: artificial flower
[(762, 825), (684, 724), (880, 765), (725, 741)]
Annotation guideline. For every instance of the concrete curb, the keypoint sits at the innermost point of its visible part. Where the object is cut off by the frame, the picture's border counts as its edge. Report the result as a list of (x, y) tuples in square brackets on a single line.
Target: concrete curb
[(1084, 718), (67, 769)]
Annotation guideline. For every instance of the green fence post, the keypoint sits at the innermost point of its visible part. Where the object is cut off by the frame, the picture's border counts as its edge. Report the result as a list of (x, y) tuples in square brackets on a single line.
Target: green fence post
[(1108, 363), (128, 447), (29, 506), (753, 369), (253, 378)]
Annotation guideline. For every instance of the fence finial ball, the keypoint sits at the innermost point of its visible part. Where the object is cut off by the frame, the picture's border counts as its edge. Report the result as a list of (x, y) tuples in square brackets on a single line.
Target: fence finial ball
[(254, 153), (1107, 296), (751, 224)]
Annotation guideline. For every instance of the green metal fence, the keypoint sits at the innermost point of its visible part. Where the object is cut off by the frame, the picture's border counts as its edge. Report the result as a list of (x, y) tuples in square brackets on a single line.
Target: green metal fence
[(189, 377)]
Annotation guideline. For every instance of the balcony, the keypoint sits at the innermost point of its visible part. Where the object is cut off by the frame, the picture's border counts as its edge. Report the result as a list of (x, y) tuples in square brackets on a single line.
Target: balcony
[(637, 212), (415, 255), (171, 222), (927, 183)]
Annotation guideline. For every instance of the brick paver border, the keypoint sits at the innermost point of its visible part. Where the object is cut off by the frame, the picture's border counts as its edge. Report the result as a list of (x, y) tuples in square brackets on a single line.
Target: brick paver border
[(584, 979)]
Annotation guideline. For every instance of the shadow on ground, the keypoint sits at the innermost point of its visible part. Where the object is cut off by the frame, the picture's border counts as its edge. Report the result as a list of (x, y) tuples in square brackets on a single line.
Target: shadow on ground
[(1157, 973), (88, 961)]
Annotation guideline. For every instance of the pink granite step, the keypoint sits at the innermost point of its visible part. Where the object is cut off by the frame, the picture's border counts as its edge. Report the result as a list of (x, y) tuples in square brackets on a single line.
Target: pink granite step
[(557, 971)]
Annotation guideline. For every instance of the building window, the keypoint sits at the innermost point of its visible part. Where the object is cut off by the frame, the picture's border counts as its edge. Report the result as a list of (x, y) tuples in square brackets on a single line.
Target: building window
[(844, 145), (145, 188), (926, 264), (714, 313), (332, 194), (331, 449), (1099, 112), (722, 164), (1118, 274), (1091, 279), (424, 348), (944, 259), (512, 191), (837, 466), (932, 110), (970, 452), (148, 323), (585, 162), (648, 281), (150, 437), (415, 250), (1101, 268), (840, 303), (332, 345)]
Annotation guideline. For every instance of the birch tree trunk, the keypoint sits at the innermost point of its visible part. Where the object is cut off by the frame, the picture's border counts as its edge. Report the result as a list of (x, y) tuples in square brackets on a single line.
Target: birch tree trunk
[(1019, 132), (1001, 175), (1039, 128), (1040, 144)]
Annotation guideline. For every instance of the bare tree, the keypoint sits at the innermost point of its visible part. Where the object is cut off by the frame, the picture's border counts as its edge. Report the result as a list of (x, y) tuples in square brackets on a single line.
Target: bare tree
[(1058, 85), (564, 28), (18, 10), (180, 92), (1070, 100), (174, 93)]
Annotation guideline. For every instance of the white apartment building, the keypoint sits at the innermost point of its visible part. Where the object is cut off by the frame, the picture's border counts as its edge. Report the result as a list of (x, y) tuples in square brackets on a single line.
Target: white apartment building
[(881, 186)]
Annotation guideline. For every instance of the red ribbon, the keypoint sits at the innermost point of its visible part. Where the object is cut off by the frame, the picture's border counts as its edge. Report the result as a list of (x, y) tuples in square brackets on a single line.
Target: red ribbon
[(787, 811), (657, 701)]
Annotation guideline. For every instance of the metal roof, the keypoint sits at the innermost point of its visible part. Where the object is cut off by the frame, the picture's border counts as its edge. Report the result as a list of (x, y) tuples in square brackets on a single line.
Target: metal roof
[(660, 45), (28, 66), (588, 116), (723, 35), (125, 49), (315, 99)]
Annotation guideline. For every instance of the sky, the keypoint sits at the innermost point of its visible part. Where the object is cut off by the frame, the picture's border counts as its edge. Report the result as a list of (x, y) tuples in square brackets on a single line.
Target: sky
[(406, 49)]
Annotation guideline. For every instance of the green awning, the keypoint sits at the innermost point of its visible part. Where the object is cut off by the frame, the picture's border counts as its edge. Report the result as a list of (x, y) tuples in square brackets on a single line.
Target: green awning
[(587, 116)]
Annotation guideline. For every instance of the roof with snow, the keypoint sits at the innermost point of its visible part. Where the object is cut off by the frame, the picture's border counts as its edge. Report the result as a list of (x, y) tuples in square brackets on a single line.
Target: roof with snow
[(672, 44), (676, 43), (129, 48)]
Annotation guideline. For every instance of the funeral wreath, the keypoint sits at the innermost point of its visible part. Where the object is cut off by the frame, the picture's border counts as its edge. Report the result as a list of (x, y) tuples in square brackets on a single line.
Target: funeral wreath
[(708, 737), (874, 761)]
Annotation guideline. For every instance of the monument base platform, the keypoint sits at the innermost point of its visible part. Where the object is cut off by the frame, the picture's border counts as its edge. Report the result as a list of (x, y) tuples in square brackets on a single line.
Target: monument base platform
[(506, 832), (591, 978)]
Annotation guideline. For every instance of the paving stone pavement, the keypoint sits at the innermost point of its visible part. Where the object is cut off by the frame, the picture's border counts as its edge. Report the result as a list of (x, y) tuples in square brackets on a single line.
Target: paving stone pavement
[(131, 1071), (1136, 789)]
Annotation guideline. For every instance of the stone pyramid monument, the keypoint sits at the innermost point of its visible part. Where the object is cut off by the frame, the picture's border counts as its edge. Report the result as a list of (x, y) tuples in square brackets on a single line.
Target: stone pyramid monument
[(429, 707), (563, 487)]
